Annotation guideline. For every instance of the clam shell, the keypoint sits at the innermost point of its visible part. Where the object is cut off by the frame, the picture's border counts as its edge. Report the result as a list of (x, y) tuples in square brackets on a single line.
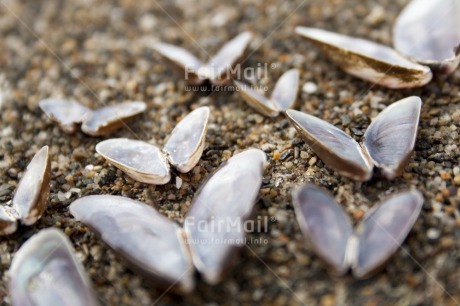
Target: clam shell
[(335, 148), (390, 138), (368, 60), (67, 113), (140, 160), (184, 60), (429, 32), (227, 197), (33, 190), (383, 230), (186, 143), (366, 249), (324, 224), (256, 100), (151, 243), (218, 67), (110, 118), (282, 97), (286, 90), (45, 272), (229, 55)]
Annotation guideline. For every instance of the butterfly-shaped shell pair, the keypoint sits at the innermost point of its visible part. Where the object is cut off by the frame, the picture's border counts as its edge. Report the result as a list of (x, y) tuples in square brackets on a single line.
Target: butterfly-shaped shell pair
[(146, 163), (282, 98), (45, 272), (219, 68), (31, 196), (426, 33), (365, 249), (388, 141), (70, 115), (157, 247)]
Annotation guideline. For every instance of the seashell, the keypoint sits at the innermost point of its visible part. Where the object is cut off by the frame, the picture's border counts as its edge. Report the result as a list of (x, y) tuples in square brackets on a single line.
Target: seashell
[(228, 195), (45, 272), (31, 196), (429, 33), (159, 248), (70, 114), (282, 98), (218, 68), (147, 240), (67, 113), (186, 143), (368, 60), (110, 118), (365, 249), (146, 163), (33, 190), (388, 141)]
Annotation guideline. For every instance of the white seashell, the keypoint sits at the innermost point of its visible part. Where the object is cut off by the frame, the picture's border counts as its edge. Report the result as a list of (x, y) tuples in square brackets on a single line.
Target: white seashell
[(33, 190), (388, 141), (150, 242), (110, 118), (368, 60), (186, 143), (365, 249), (45, 272), (141, 161), (8, 220), (228, 198), (70, 114), (429, 32), (156, 247), (282, 98), (67, 113), (146, 163), (217, 70)]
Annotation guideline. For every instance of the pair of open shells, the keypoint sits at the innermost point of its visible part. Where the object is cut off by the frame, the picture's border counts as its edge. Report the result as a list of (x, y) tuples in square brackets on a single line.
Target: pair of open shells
[(70, 115), (365, 249), (146, 163), (31, 196), (388, 141), (218, 70), (426, 37), (164, 252)]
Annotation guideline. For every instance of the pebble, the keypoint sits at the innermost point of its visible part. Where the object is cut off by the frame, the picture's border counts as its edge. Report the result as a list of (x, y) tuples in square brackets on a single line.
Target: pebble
[(309, 88)]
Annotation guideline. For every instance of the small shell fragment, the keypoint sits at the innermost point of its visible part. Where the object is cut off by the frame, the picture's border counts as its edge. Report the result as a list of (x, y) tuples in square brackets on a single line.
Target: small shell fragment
[(8, 220), (217, 70), (282, 98), (370, 245), (156, 247), (368, 60), (147, 163), (67, 113), (31, 197), (429, 32), (140, 160), (186, 143), (388, 142), (45, 272), (110, 118)]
